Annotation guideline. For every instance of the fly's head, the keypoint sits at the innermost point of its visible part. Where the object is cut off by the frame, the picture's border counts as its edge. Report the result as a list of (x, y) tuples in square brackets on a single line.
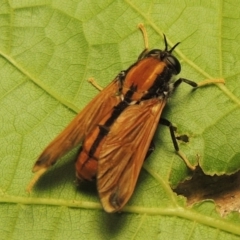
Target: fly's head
[(167, 57)]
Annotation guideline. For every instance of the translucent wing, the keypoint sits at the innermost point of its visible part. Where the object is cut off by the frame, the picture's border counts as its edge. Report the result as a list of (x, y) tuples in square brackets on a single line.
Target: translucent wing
[(124, 151), (80, 126)]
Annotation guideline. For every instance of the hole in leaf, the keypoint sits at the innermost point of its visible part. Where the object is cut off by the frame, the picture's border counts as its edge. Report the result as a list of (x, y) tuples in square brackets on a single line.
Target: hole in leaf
[(223, 190)]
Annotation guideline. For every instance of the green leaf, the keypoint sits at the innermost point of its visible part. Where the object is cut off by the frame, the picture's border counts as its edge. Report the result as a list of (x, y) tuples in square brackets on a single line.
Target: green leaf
[(48, 50)]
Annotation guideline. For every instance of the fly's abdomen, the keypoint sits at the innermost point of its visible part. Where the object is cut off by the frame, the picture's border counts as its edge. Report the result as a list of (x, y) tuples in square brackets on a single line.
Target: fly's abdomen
[(87, 161)]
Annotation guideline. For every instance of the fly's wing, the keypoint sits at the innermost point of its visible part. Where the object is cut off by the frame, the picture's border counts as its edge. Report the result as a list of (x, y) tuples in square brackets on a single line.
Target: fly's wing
[(79, 127), (124, 151)]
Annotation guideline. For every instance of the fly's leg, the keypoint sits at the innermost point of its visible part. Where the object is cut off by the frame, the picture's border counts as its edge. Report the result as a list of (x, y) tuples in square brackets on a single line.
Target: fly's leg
[(172, 130), (150, 150), (196, 85), (145, 39), (95, 84), (174, 140), (120, 78)]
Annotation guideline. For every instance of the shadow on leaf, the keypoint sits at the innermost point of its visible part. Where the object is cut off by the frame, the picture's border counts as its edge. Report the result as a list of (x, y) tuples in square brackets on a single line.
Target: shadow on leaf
[(56, 176)]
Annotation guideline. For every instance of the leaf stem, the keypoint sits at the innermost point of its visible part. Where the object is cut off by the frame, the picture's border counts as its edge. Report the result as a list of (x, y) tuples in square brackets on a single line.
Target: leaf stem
[(189, 214)]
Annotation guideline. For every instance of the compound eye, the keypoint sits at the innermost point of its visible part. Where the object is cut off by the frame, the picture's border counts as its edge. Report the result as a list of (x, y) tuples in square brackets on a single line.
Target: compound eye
[(173, 63)]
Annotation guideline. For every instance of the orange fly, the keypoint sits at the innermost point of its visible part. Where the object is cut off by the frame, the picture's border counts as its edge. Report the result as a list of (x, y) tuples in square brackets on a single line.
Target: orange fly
[(118, 125)]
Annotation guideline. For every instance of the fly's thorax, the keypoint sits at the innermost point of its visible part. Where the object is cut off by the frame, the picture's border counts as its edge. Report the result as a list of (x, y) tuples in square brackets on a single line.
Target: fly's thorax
[(151, 76), (143, 74), (169, 89)]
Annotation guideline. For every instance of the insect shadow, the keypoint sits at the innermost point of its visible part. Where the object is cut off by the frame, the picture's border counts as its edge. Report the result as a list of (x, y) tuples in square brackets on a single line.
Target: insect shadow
[(58, 175)]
